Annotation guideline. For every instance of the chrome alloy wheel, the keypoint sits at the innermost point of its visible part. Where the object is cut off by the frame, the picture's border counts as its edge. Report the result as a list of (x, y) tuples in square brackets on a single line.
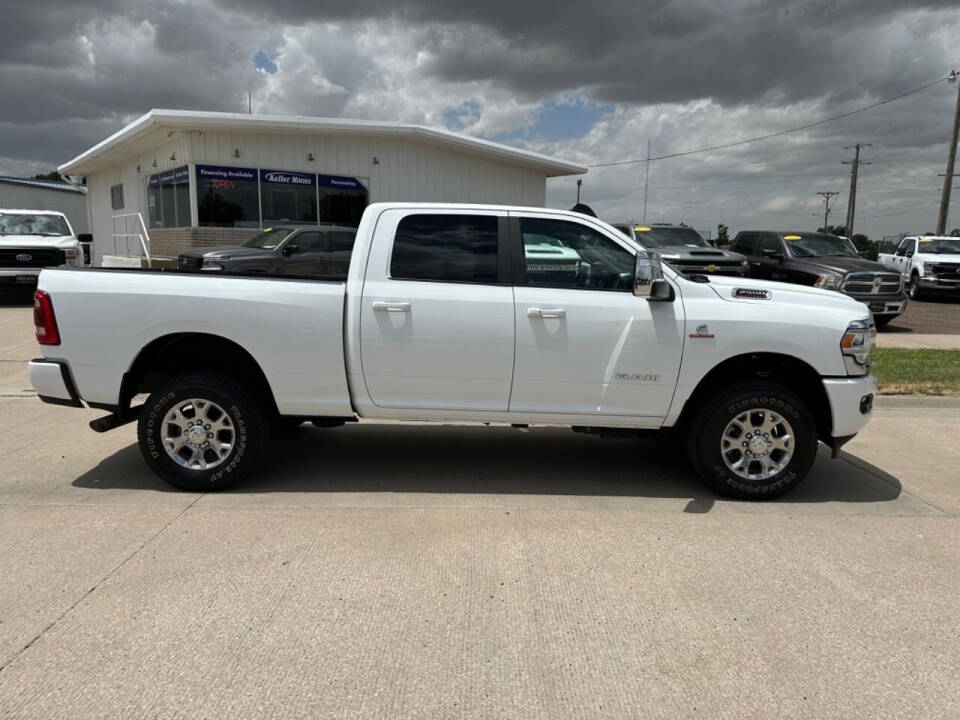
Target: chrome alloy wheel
[(757, 444), (198, 434)]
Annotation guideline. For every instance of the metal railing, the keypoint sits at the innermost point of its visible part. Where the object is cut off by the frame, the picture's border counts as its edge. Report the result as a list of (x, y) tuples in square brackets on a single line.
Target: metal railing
[(131, 228)]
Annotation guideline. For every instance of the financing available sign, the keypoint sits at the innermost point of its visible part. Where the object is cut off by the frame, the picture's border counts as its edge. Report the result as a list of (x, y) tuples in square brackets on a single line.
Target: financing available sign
[(221, 172)]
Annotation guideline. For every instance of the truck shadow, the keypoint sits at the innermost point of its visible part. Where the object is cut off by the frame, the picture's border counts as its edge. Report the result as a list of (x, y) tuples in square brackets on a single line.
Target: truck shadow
[(484, 460)]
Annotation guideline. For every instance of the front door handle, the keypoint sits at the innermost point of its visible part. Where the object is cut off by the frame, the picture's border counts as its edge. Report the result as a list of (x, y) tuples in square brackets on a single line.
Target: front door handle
[(546, 313), (380, 306)]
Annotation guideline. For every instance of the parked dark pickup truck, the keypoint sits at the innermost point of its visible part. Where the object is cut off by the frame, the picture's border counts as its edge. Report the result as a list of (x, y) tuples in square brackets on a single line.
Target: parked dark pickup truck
[(685, 249), (824, 261), (306, 250)]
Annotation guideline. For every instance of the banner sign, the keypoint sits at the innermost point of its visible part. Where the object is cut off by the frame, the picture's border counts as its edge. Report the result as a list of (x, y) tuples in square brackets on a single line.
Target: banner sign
[(285, 177), (170, 177), (218, 172), (340, 182)]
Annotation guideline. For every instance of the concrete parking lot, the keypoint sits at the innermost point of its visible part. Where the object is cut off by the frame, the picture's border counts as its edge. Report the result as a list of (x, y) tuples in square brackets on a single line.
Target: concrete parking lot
[(394, 571)]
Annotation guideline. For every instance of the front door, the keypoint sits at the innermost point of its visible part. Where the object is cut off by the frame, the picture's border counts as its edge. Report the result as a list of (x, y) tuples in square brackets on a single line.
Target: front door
[(585, 344), (436, 316), (307, 258)]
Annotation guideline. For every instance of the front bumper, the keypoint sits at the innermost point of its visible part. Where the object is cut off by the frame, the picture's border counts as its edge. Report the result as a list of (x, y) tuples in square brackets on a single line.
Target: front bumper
[(851, 403), (936, 283), (883, 304), (53, 382)]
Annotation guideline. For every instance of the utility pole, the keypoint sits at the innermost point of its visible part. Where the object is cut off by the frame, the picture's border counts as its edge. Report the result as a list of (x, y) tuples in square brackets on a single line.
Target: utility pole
[(854, 170), (646, 183), (827, 194), (250, 103), (948, 179)]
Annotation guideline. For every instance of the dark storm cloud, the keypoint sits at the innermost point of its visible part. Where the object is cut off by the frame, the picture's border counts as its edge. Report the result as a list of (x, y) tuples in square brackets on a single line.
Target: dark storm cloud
[(647, 51)]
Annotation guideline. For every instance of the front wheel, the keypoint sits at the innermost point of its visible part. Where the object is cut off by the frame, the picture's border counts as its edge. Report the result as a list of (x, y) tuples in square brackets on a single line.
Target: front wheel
[(200, 431), (753, 440), (913, 289)]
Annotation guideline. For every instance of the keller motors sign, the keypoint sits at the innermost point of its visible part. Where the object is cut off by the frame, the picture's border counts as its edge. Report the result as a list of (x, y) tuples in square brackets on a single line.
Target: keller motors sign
[(285, 177)]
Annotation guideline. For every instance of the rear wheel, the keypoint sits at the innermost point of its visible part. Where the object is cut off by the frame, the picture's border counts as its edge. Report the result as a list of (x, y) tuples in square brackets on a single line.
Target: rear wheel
[(753, 440), (200, 431)]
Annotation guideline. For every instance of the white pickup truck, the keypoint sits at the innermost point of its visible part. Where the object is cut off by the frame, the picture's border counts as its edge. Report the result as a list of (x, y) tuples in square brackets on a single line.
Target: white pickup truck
[(456, 313), (31, 240), (928, 264)]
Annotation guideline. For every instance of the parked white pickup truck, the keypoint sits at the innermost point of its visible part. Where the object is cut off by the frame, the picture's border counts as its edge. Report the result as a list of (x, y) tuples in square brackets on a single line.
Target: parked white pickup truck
[(445, 316), (31, 240), (928, 263)]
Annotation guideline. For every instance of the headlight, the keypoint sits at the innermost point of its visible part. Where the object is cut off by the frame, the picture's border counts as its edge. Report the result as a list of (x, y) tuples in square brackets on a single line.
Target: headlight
[(71, 256), (828, 282), (211, 264), (744, 262), (857, 344)]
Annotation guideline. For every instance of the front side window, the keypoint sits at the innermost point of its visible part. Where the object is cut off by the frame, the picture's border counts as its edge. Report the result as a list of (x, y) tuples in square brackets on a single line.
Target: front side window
[(310, 241), (564, 254), (905, 247), (268, 238), (446, 248), (27, 224), (227, 197), (770, 245)]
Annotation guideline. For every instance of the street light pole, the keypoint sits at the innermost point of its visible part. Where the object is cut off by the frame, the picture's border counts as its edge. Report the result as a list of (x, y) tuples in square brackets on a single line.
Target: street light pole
[(951, 157)]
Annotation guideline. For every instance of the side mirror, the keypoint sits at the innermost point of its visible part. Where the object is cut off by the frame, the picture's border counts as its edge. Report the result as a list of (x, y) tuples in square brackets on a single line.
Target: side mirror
[(291, 249), (909, 253), (648, 279), (773, 254), (85, 237)]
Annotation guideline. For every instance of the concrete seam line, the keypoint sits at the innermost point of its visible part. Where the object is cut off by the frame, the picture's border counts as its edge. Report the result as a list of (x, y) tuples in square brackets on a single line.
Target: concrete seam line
[(99, 582)]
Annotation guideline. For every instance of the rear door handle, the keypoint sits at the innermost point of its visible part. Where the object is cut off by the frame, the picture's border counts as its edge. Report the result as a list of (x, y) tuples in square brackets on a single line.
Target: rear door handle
[(546, 313), (380, 306)]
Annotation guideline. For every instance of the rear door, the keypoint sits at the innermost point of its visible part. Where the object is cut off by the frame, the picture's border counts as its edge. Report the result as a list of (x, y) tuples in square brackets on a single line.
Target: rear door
[(585, 344), (436, 317)]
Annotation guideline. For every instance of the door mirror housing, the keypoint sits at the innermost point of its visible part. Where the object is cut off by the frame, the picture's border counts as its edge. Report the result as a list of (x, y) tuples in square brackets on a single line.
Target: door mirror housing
[(648, 279), (84, 237), (291, 249)]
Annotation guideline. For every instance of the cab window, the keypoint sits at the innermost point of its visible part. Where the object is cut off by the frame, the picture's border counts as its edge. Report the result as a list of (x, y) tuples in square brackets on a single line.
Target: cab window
[(770, 245), (563, 254)]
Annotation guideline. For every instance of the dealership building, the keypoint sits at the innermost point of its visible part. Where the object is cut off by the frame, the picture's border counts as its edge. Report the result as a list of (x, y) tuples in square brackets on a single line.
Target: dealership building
[(191, 179)]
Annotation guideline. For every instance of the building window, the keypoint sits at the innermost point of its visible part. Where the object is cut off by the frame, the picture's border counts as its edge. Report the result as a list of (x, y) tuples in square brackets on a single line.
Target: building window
[(288, 196), (227, 197), (342, 199), (116, 197), (446, 248), (168, 198)]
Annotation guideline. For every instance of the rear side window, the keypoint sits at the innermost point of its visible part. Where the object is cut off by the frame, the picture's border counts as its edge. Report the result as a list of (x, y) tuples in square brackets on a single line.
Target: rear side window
[(744, 243), (446, 248)]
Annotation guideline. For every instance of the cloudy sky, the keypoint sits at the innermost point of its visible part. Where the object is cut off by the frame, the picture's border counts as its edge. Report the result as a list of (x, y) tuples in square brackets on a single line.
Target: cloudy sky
[(590, 82)]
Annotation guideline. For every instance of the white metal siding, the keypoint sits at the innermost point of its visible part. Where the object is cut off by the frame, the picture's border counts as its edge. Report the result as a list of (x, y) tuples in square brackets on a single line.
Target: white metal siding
[(29, 197), (405, 170)]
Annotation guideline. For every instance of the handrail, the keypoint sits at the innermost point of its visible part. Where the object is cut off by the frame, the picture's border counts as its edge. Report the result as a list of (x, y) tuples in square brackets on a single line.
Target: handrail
[(144, 244)]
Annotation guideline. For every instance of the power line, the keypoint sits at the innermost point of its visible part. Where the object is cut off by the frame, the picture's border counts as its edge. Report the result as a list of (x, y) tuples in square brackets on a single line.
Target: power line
[(774, 134), (900, 212)]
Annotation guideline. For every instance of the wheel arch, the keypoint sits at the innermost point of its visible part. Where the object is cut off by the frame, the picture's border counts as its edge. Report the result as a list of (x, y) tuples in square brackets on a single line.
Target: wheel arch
[(786, 370), (191, 351)]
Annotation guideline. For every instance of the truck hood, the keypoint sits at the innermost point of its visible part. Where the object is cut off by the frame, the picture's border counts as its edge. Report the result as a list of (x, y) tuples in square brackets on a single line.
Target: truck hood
[(683, 252), (837, 265), (785, 294), (24, 241), (938, 257), (226, 252)]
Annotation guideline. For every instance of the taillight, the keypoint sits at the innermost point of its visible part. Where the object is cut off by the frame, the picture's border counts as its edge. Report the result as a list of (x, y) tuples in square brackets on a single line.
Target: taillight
[(44, 319)]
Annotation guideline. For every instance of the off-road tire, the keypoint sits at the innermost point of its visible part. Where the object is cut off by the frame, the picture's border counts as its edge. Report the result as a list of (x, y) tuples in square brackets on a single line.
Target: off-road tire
[(706, 431), (246, 414)]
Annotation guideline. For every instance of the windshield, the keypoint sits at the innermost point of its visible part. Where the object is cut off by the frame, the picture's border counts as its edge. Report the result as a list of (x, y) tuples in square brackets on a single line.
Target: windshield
[(940, 246), (814, 245), (268, 238), (658, 237), (26, 224)]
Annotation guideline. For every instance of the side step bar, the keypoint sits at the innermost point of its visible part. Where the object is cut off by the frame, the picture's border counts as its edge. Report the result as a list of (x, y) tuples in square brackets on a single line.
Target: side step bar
[(113, 420)]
